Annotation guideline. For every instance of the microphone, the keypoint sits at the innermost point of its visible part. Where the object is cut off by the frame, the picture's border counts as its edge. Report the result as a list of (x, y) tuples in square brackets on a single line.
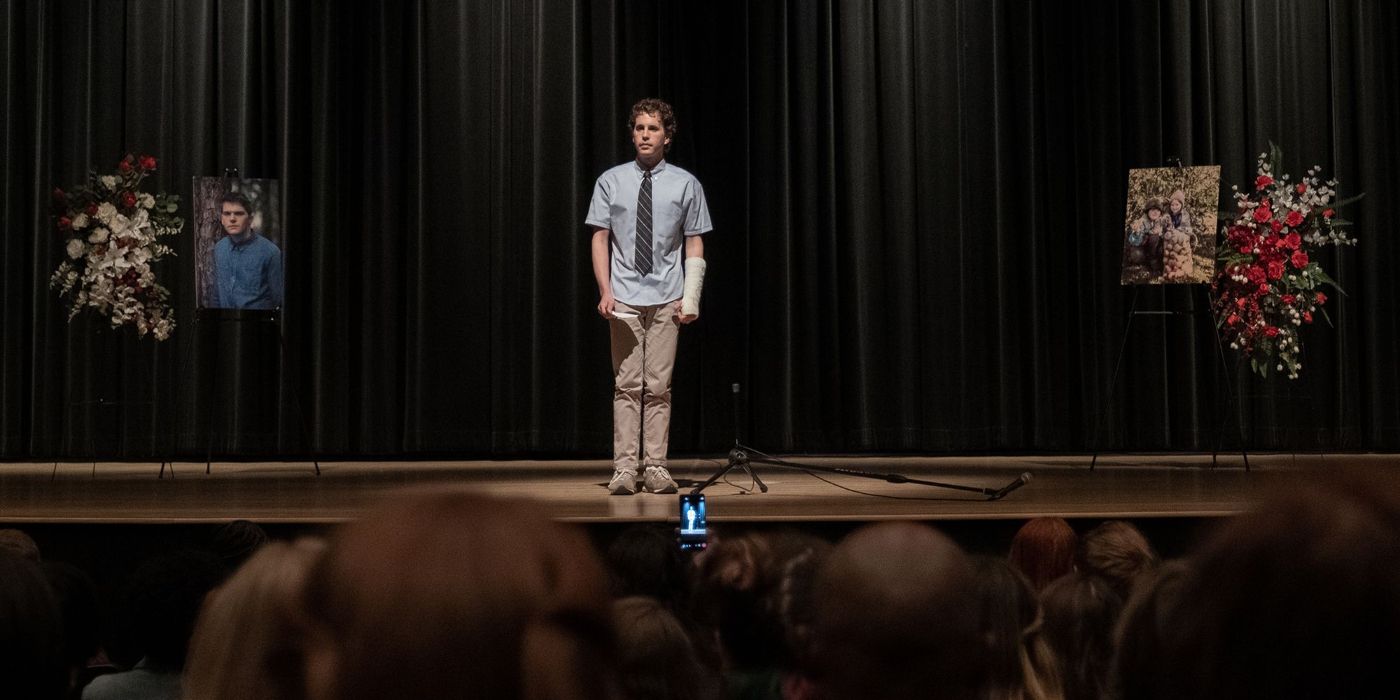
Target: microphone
[(1020, 481)]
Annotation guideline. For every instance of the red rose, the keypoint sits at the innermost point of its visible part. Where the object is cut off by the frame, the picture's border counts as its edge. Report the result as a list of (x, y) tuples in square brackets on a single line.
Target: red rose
[(1294, 218), (1287, 299), (1246, 248), (91, 209), (1275, 269), (1276, 225), (1299, 259), (1307, 317), (1233, 319), (1263, 213), (125, 165), (129, 199), (1301, 188), (1255, 274), (1321, 298), (148, 163), (1240, 302), (1271, 331), (64, 223), (1327, 213), (1263, 289), (1292, 241), (1262, 181)]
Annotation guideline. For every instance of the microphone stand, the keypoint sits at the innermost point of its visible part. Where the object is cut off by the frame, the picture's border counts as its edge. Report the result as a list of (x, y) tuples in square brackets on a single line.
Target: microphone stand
[(741, 457)]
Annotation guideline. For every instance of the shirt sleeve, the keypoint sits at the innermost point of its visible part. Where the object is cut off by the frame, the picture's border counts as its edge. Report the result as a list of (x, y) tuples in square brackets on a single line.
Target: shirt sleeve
[(697, 212), (600, 209)]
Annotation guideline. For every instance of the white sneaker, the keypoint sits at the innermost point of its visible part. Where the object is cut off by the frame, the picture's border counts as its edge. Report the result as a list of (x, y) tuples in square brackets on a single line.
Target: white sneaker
[(624, 482), (658, 480)]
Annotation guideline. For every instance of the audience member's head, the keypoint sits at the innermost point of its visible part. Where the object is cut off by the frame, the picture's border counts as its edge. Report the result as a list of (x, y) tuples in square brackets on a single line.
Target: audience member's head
[(1019, 663), (1081, 610), (1149, 618), (1117, 551), (1299, 599), (162, 599), (18, 543), (895, 617), (644, 561), (236, 541), (752, 591), (656, 658), (247, 642), (31, 648), (1044, 550), (76, 596), (441, 595)]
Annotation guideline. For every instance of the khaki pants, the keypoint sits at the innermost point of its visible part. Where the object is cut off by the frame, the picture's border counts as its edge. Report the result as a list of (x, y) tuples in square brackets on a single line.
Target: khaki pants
[(643, 355)]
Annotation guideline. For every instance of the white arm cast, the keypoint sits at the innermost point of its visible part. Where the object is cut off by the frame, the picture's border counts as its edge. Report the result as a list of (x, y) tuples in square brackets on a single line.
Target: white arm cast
[(694, 282)]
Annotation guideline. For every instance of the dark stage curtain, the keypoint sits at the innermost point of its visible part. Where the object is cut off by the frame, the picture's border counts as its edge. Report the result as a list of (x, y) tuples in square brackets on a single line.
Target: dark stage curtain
[(918, 211)]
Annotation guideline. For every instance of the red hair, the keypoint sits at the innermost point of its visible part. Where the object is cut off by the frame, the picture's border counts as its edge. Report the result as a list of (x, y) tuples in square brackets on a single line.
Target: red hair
[(1043, 549)]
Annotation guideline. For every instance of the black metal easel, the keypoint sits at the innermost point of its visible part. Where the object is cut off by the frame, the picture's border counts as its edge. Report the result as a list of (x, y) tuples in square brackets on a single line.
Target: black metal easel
[(1220, 353), (1133, 312), (271, 316)]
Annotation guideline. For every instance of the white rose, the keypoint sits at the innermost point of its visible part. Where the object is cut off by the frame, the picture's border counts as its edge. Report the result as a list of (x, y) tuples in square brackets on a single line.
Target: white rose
[(105, 212), (75, 248), (109, 181), (98, 235), (79, 221), (147, 200)]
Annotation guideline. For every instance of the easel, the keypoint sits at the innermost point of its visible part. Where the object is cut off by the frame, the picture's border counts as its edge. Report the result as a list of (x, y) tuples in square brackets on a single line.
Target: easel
[(1134, 312), (241, 316), (100, 402)]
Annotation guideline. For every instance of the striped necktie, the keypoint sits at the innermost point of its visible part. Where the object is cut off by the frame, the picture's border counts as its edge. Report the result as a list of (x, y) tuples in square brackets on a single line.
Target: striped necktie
[(643, 252)]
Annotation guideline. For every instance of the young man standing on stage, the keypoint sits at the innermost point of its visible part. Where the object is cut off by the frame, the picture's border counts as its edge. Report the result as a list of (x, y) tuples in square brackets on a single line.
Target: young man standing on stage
[(647, 218)]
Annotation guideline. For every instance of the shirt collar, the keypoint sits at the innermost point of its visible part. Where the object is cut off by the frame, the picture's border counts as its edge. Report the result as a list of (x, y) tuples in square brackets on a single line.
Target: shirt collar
[(656, 170)]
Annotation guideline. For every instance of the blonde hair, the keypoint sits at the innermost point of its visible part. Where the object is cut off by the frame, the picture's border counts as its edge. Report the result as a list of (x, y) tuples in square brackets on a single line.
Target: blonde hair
[(244, 643)]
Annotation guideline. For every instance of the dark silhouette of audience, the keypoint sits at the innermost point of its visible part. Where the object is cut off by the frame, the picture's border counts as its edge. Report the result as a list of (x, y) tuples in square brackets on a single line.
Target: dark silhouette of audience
[(895, 617), (31, 624), (1119, 553), (751, 595), (456, 595), (1044, 549), (1298, 599), (248, 640), (448, 595), (1019, 661), (162, 601), (656, 657), (1081, 610)]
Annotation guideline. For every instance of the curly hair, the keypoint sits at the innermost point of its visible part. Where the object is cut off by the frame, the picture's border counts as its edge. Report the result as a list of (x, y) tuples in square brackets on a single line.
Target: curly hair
[(658, 108)]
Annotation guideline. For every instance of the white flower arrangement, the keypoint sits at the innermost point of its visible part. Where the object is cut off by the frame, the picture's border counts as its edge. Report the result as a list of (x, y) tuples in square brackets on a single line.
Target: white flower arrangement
[(113, 236)]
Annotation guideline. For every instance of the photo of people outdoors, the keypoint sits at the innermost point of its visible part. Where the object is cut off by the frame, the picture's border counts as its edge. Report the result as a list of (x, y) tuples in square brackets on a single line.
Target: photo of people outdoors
[(238, 244), (1169, 229)]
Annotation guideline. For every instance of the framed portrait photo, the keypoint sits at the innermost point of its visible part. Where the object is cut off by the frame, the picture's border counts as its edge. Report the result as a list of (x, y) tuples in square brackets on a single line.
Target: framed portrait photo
[(1169, 228), (238, 259)]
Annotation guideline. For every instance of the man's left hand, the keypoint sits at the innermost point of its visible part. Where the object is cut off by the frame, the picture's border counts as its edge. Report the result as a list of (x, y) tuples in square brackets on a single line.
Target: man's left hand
[(683, 318)]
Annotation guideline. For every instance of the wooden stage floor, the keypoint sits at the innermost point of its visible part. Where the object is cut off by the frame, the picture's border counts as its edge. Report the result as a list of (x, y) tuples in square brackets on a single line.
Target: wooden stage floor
[(1129, 486)]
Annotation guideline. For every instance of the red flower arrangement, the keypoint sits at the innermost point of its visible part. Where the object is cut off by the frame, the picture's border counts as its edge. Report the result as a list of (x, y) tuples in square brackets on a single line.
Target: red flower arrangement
[(1268, 282), (112, 230)]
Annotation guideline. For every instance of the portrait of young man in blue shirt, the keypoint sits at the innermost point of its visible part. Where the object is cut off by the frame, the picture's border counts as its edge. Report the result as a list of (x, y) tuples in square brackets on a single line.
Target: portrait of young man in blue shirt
[(247, 266)]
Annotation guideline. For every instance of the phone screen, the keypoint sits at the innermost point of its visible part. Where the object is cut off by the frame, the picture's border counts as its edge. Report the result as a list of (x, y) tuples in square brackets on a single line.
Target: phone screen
[(692, 531)]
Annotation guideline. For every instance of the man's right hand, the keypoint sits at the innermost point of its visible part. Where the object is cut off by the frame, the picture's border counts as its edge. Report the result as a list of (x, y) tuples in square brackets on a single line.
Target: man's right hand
[(606, 305)]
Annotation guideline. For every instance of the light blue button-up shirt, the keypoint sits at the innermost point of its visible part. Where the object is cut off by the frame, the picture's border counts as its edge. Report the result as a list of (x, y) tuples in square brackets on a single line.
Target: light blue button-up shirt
[(247, 273), (678, 210)]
